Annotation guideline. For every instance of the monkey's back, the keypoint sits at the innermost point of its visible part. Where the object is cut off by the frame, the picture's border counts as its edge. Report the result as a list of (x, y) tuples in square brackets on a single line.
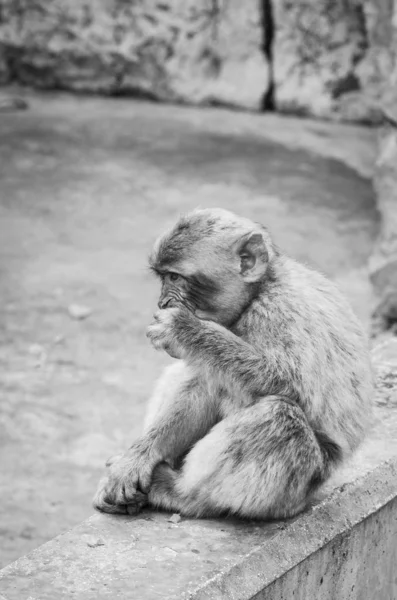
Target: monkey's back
[(320, 348)]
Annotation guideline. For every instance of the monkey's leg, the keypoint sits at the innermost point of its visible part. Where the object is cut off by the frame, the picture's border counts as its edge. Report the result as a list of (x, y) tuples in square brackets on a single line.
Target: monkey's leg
[(261, 462), (180, 413)]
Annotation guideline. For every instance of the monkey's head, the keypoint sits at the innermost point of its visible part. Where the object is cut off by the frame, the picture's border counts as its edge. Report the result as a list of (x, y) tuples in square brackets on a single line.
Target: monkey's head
[(213, 262)]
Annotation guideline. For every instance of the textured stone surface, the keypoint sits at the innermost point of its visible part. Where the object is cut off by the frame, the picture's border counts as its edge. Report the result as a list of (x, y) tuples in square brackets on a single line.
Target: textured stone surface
[(4, 70), (347, 541), (317, 47), (383, 265), (205, 51), (384, 355), (333, 58), (372, 71), (385, 360), (359, 564), (328, 58)]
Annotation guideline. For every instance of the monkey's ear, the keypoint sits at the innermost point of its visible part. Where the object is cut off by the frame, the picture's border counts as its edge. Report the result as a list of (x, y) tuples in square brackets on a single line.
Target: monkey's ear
[(254, 256)]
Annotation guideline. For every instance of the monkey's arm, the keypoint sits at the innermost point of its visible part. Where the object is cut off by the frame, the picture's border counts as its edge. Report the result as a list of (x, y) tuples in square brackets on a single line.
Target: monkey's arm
[(223, 352), (180, 413), (208, 344)]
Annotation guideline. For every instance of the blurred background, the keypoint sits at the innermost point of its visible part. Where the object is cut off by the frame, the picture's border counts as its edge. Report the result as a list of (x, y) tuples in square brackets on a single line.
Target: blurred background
[(115, 117)]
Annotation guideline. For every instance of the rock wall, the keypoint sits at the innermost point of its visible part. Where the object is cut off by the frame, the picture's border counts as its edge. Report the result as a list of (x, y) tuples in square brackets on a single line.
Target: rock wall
[(201, 51), (332, 57), (383, 265), (316, 50), (327, 58)]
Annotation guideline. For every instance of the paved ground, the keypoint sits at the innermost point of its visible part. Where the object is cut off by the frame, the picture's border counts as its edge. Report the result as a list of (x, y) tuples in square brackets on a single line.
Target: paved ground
[(85, 187)]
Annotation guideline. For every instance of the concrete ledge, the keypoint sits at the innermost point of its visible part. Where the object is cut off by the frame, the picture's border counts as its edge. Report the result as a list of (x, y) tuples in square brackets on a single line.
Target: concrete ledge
[(344, 546)]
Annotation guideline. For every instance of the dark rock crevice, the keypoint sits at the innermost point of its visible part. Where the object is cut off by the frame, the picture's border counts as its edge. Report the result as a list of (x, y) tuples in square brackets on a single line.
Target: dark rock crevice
[(268, 30)]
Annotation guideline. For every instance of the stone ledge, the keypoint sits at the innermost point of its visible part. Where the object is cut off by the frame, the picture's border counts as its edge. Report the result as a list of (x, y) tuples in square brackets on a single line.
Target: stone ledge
[(149, 557), (343, 547)]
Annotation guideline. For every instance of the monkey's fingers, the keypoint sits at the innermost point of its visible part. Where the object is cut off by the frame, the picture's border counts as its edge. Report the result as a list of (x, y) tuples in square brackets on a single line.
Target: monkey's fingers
[(140, 500), (157, 344), (160, 341), (126, 492), (111, 509), (101, 501), (155, 334)]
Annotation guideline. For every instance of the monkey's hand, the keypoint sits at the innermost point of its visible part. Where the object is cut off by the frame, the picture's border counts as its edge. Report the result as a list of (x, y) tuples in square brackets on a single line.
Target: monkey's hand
[(126, 483), (164, 332)]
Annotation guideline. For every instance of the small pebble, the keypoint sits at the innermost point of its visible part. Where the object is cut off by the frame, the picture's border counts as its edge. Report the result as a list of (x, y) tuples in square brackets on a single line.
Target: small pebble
[(93, 541), (170, 552), (175, 518), (39, 354), (79, 311), (36, 349)]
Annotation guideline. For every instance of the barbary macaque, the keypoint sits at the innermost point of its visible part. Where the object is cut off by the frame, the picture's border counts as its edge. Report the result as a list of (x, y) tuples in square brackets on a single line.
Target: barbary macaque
[(272, 388)]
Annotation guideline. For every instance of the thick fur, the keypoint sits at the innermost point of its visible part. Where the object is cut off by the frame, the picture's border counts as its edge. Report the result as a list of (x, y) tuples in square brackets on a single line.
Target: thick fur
[(274, 385)]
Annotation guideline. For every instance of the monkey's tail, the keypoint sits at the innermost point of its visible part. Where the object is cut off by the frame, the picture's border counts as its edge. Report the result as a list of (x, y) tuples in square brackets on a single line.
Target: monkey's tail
[(332, 456)]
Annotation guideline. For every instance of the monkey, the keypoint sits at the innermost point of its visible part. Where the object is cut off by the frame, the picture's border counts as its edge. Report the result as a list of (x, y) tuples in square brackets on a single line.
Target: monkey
[(271, 387)]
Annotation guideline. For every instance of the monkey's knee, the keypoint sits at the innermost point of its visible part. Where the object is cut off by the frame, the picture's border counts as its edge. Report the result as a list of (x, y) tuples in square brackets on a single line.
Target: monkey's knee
[(262, 462)]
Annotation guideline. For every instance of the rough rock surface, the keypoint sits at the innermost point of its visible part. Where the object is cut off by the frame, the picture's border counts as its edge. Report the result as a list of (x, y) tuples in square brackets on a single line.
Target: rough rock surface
[(384, 357), (317, 47), (373, 71), (332, 57), (4, 71), (383, 264), (327, 58), (200, 51)]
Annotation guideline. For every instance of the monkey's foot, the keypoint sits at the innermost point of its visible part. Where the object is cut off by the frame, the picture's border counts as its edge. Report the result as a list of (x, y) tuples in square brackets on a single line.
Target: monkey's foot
[(139, 501), (118, 495), (134, 506)]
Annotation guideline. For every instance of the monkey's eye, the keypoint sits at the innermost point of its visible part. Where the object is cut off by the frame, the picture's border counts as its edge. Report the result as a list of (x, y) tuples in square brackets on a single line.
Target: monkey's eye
[(174, 276)]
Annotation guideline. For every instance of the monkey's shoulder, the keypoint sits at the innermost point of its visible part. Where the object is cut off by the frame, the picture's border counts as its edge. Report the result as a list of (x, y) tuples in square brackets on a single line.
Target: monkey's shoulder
[(301, 290), (301, 307)]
